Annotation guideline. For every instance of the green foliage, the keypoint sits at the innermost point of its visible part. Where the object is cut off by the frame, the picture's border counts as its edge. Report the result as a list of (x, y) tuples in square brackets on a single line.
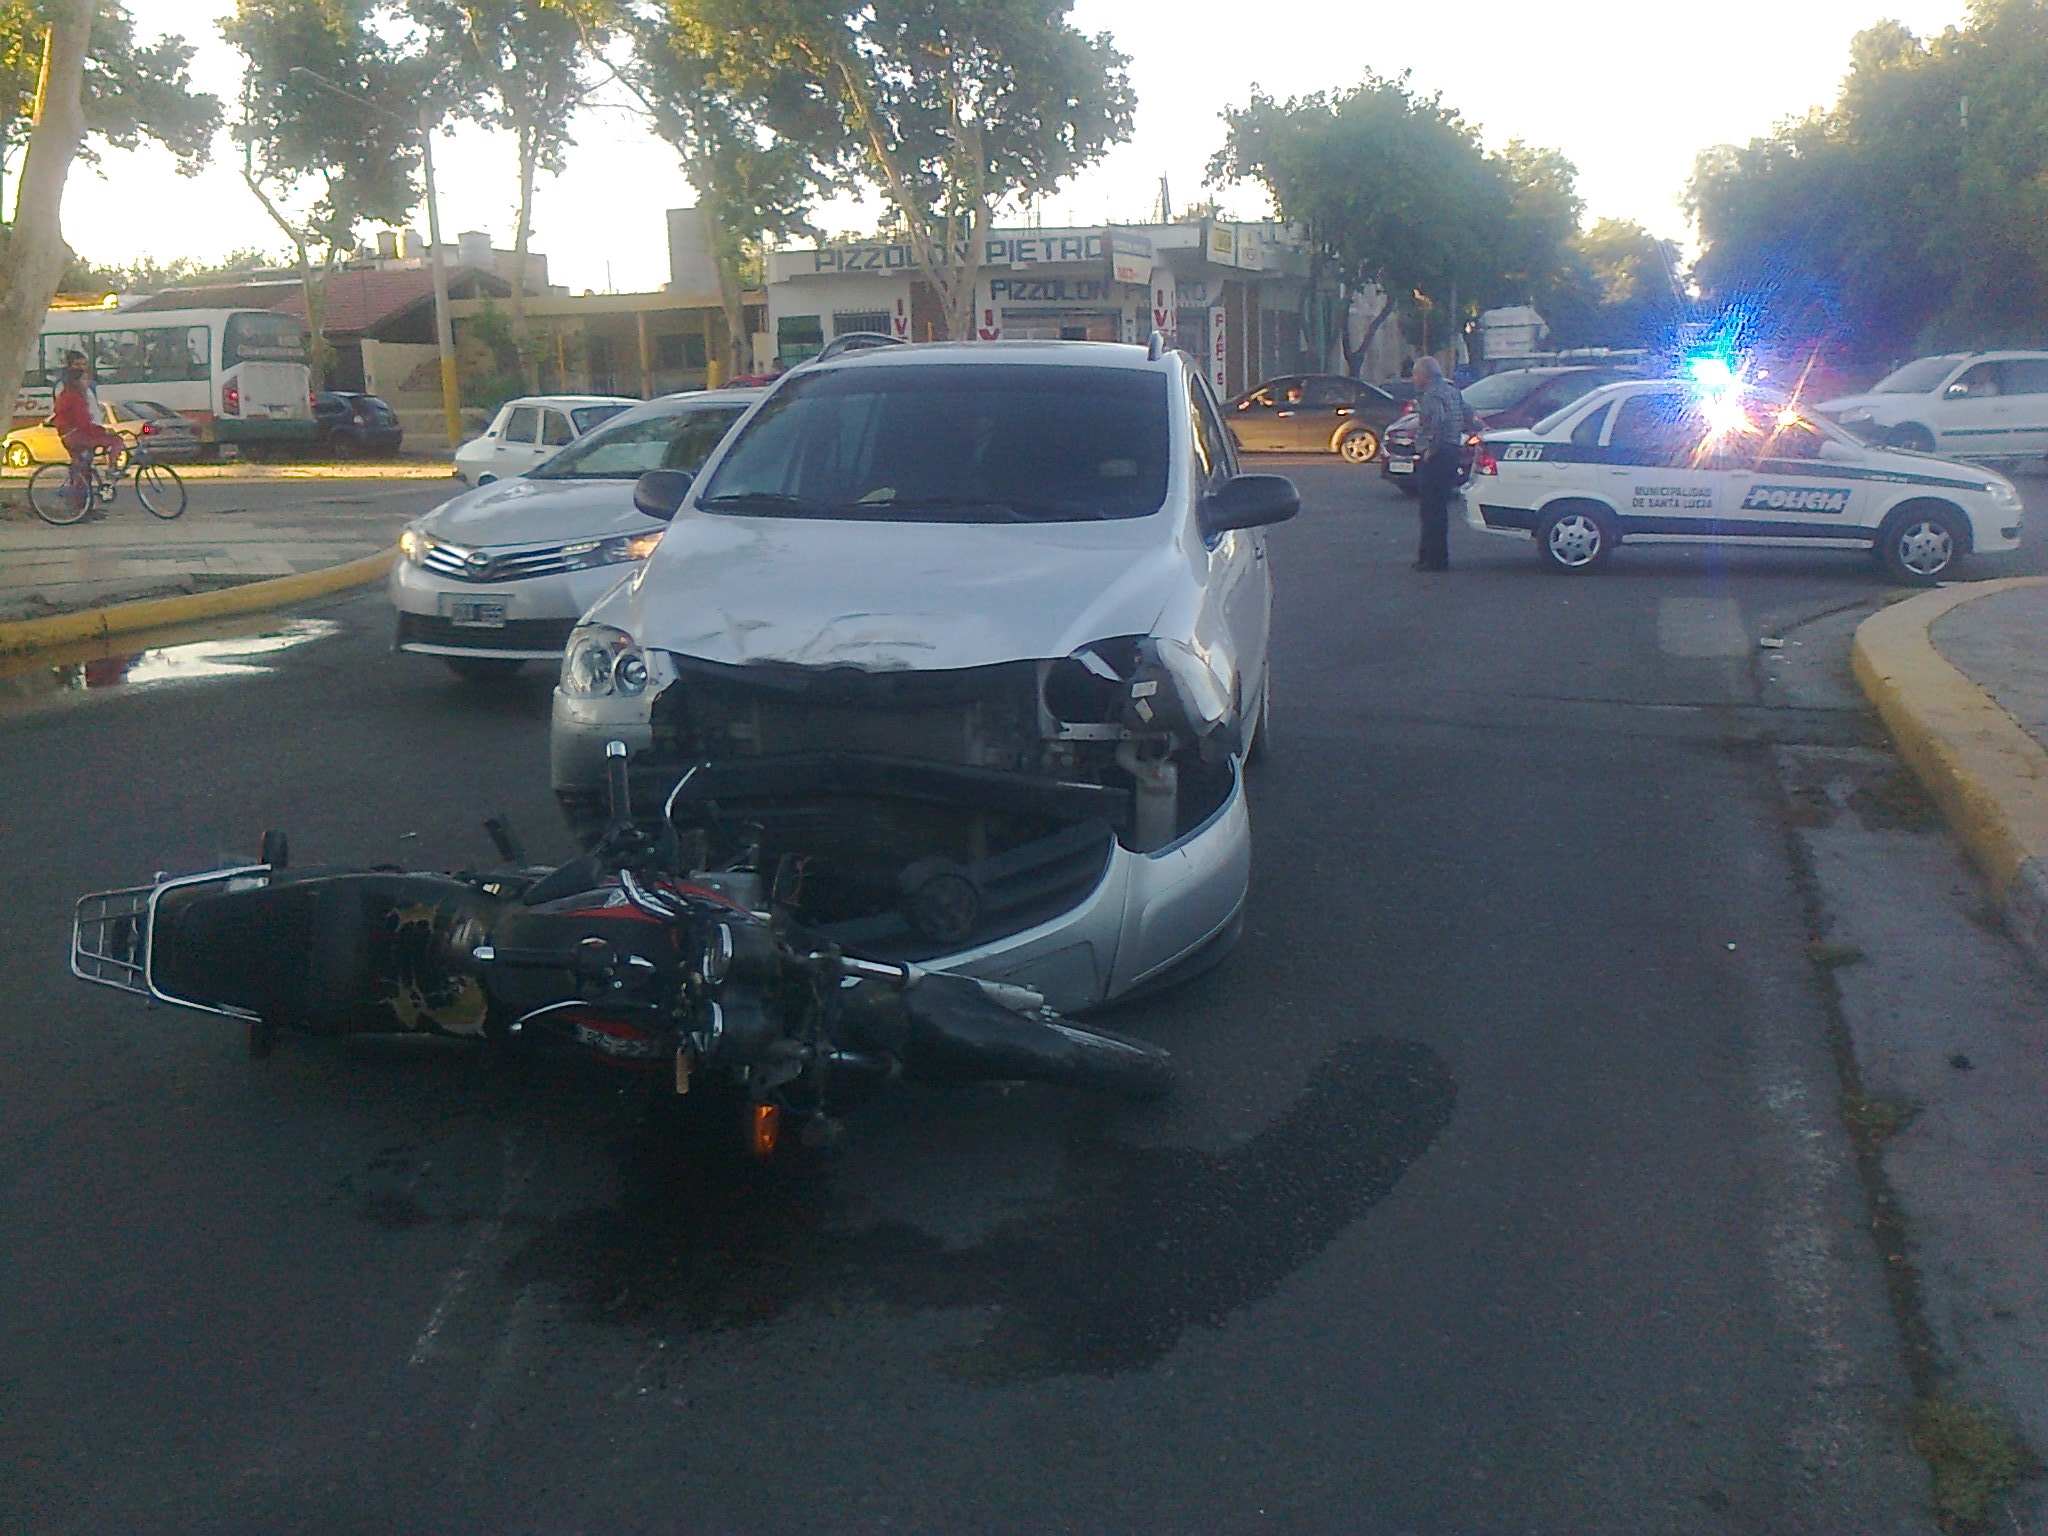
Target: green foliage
[(133, 92), (1911, 216), (355, 144), (516, 65), (949, 107), (148, 274), (1612, 287), (1398, 193)]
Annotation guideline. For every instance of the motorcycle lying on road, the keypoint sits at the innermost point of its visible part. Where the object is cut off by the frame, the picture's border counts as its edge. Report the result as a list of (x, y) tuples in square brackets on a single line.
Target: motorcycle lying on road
[(627, 954)]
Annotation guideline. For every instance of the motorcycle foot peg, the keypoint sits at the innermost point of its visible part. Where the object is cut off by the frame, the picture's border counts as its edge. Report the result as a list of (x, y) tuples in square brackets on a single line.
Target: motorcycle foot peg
[(262, 1038)]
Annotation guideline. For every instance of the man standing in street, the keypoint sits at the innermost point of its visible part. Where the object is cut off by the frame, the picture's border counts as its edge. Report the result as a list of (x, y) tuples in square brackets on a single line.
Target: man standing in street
[(1439, 445)]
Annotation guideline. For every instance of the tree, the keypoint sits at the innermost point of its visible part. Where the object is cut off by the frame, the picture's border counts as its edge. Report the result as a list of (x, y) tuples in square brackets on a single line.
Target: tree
[(1913, 214), (34, 257), (758, 157), (1394, 187), (520, 66), (328, 128), (950, 107), (130, 92), (1613, 287)]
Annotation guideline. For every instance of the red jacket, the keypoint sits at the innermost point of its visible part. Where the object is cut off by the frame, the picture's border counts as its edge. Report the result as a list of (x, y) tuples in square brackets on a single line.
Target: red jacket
[(74, 411)]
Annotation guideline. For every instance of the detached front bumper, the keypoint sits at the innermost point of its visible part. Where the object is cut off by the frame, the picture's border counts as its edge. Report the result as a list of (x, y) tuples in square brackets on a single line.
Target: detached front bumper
[(527, 620)]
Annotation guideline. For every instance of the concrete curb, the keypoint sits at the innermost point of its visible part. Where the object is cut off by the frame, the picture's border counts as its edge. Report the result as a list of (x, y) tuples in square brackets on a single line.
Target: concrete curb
[(1989, 777), (164, 612)]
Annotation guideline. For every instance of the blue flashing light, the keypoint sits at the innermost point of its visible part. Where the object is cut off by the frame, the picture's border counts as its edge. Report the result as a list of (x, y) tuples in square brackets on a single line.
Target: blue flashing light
[(1711, 373)]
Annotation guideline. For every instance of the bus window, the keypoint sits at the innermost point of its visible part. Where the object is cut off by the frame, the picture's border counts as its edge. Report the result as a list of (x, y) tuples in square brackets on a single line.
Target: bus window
[(262, 338), (198, 352)]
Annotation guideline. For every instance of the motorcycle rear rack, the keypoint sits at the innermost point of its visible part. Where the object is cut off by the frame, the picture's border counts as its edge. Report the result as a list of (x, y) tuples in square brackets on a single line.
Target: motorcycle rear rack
[(113, 936)]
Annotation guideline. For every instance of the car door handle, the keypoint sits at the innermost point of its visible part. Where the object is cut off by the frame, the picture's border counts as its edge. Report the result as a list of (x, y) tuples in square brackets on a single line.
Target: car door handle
[(1283, 413), (1344, 410)]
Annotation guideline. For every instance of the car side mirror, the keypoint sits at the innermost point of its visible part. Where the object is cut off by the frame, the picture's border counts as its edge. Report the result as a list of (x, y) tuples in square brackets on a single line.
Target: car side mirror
[(1249, 501), (1957, 392), (659, 492)]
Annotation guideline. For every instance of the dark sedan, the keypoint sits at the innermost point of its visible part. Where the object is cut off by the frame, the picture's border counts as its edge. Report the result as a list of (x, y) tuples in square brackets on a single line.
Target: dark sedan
[(1521, 397), (1313, 413), (348, 425)]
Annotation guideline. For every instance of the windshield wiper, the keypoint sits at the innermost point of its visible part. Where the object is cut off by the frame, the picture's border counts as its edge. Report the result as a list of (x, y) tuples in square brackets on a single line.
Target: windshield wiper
[(762, 501)]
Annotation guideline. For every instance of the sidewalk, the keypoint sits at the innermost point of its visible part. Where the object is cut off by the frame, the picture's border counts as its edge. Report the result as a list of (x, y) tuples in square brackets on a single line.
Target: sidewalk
[(1960, 676), (239, 528)]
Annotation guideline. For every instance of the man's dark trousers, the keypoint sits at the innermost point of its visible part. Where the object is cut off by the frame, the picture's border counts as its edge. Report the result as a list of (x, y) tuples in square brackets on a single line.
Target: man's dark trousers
[(1436, 477)]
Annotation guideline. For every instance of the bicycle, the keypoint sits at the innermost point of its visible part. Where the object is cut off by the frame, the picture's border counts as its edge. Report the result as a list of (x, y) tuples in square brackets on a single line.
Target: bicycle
[(53, 495)]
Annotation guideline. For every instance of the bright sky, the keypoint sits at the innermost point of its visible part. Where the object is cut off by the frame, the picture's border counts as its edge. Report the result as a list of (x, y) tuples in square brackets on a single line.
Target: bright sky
[(1630, 91)]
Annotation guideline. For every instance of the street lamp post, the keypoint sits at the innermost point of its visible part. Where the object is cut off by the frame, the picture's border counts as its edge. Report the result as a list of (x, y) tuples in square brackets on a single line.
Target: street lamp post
[(444, 326)]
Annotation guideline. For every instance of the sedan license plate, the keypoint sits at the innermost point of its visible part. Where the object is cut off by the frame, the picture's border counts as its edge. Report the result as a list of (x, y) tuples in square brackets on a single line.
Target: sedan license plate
[(1400, 466), (475, 612)]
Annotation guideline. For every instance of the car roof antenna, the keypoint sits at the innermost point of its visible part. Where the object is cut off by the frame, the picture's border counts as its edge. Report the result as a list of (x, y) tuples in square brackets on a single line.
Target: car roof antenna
[(1157, 349)]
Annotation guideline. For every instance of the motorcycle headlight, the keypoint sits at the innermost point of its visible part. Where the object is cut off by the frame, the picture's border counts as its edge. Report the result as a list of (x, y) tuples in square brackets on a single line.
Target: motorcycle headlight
[(587, 553), (602, 663)]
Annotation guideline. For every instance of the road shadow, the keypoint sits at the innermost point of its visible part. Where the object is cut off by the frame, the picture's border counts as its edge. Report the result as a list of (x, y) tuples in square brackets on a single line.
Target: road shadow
[(1135, 1246)]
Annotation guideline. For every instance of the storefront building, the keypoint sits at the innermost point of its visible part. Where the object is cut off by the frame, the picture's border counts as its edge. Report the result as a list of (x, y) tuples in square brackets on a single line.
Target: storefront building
[(1233, 295)]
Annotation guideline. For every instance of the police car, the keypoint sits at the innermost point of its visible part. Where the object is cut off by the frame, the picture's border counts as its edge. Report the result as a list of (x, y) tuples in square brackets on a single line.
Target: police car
[(1673, 461)]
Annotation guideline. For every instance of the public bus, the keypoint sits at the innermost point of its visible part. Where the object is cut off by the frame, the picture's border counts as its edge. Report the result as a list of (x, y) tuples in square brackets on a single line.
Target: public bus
[(239, 375)]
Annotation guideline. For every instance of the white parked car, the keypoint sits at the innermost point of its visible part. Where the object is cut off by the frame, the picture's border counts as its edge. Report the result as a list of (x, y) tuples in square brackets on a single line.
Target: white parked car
[(962, 648), (1668, 462), (499, 575), (529, 431), (1971, 405)]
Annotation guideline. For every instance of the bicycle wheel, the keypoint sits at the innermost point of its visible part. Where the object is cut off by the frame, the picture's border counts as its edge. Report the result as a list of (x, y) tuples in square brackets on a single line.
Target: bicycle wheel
[(53, 498), (158, 488)]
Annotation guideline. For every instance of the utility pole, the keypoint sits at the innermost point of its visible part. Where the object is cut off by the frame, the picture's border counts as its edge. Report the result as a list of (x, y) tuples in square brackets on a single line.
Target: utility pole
[(444, 324)]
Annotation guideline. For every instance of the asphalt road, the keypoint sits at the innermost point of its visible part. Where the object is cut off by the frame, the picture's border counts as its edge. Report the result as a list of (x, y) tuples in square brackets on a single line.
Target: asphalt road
[(1504, 1191)]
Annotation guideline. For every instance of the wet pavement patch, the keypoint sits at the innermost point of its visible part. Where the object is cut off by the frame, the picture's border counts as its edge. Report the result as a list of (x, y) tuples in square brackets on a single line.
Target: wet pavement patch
[(1137, 1244), (131, 661)]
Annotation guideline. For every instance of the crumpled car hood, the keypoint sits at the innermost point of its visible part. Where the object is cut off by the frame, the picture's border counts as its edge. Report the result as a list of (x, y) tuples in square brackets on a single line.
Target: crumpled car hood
[(538, 512), (885, 596)]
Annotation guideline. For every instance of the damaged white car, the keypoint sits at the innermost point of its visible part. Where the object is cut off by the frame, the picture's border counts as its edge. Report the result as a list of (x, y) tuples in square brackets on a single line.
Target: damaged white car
[(959, 650)]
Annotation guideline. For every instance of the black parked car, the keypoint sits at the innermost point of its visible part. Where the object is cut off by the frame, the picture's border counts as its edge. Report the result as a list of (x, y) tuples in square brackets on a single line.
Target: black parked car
[(351, 424), (1312, 413)]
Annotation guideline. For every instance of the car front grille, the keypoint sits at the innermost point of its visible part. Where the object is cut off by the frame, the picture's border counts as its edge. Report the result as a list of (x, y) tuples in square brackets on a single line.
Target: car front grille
[(514, 635), (513, 565)]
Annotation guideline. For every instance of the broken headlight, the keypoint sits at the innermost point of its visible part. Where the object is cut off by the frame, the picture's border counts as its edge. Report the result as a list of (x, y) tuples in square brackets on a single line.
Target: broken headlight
[(1139, 685), (1200, 680), (602, 663)]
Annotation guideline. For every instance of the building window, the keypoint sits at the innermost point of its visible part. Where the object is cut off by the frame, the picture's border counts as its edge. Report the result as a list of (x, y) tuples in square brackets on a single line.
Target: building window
[(798, 337), (875, 320), (680, 352)]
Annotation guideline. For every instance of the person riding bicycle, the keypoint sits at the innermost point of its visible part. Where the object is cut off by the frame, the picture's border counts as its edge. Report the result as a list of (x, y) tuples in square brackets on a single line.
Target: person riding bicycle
[(77, 420)]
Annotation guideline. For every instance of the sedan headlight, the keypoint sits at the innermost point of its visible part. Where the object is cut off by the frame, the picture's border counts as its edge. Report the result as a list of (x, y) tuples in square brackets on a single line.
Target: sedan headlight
[(586, 553), (2002, 493), (414, 545), (602, 663)]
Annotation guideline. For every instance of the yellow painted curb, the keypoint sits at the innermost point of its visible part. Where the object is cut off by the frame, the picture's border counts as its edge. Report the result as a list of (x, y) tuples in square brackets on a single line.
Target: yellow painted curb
[(1989, 777), (163, 612)]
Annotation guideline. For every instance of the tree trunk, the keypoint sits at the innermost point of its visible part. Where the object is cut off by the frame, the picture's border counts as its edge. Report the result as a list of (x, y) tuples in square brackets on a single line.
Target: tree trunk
[(313, 290), (34, 259), (725, 258), (529, 153), (1353, 360)]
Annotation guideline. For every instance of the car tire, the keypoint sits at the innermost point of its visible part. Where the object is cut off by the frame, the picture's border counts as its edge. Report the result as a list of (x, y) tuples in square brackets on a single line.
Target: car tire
[(18, 456), (1361, 445), (1575, 537), (483, 670), (486, 479), (1912, 437), (1922, 543)]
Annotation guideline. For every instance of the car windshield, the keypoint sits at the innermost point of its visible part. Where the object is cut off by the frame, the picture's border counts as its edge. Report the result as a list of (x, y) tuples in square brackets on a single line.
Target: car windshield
[(1503, 390), (973, 442), (1922, 376), (588, 416), (675, 439)]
